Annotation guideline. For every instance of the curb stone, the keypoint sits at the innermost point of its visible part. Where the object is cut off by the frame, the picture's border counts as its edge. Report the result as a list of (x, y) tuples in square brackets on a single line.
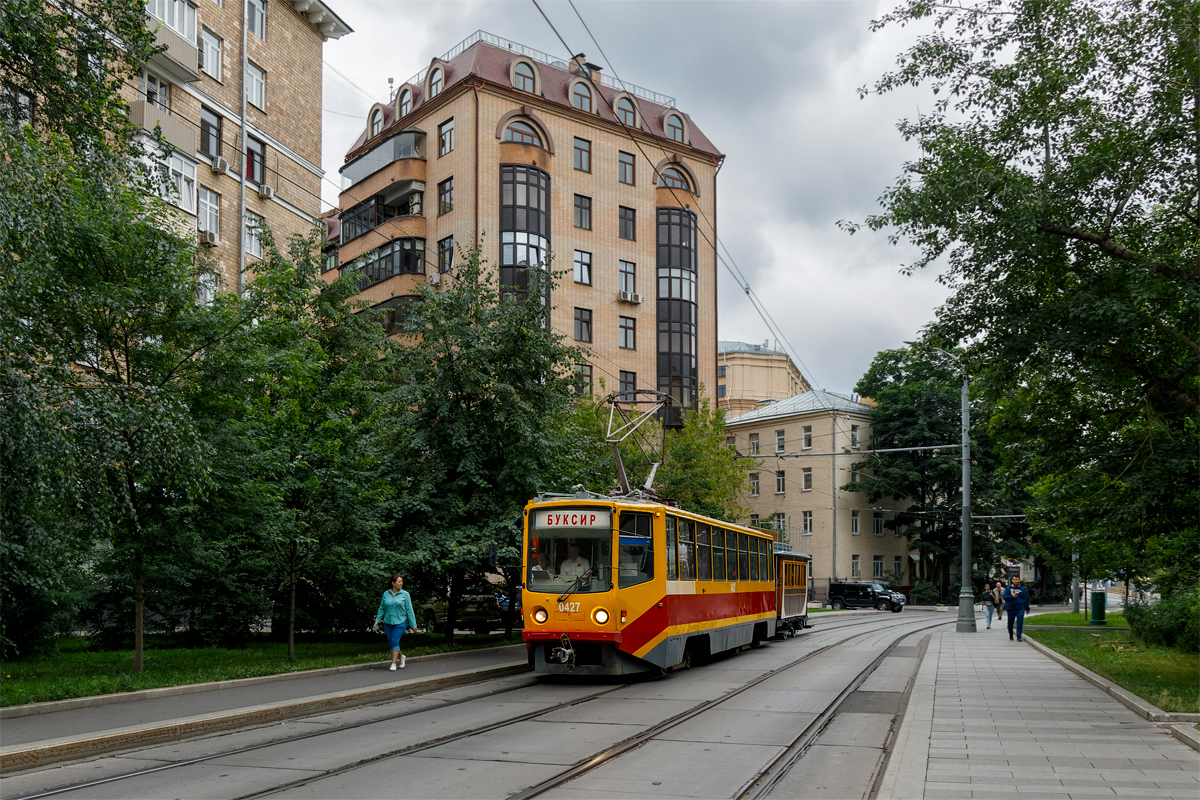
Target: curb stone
[(51, 706), (908, 761), (1186, 733), (1142, 708)]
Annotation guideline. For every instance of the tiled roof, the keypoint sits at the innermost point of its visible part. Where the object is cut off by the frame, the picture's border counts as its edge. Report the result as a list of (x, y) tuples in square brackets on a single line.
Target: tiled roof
[(746, 347), (490, 63), (807, 402)]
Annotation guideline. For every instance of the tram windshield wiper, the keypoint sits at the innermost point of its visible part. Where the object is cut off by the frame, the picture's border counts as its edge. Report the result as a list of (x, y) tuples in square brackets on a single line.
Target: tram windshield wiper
[(575, 584)]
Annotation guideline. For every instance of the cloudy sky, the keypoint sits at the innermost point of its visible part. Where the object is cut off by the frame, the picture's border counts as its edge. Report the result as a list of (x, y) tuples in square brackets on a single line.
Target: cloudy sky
[(773, 85)]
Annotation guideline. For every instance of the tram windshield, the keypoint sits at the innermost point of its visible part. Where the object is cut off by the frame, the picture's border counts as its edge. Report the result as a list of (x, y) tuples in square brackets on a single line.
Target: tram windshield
[(577, 557)]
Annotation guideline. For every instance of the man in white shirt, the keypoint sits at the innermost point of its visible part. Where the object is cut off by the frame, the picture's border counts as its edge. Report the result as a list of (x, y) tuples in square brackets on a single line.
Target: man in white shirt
[(575, 564)]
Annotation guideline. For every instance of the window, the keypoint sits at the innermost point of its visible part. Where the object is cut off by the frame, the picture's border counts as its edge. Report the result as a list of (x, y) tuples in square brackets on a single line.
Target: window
[(854, 529), (626, 112), (672, 178), (446, 196), (731, 443), (210, 53), (583, 213), (583, 379), (256, 18), (583, 324), (329, 260), (674, 128), (207, 291), (376, 122), (627, 384), (583, 268), (523, 77), (854, 436), (780, 484), (524, 226), (405, 102), (779, 441), (780, 521), (583, 155), (753, 524), (210, 132), (209, 212), (395, 314), (806, 522), (635, 558), (179, 181), (720, 390), (364, 217), (256, 160), (522, 133), (898, 567), (625, 167), (581, 97), (627, 276), (854, 567), (806, 437), (628, 328), (628, 223), (154, 90), (250, 240), (754, 484), (397, 257), (435, 83), (878, 519), (446, 254), (18, 106), (754, 444), (877, 572), (445, 137), (806, 479), (178, 15), (854, 476), (721, 371), (256, 86)]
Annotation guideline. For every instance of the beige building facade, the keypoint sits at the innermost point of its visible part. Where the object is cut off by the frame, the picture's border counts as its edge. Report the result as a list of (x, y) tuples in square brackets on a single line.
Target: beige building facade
[(245, 123), (808, 444), (748, 374), (542, 160)]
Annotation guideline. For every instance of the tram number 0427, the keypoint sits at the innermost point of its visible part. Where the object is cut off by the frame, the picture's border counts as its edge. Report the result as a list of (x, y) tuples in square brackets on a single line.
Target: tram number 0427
[(568, 608)]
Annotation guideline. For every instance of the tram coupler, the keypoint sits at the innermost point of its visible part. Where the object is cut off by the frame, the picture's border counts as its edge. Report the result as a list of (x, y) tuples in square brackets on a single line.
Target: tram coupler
[(564, 654)]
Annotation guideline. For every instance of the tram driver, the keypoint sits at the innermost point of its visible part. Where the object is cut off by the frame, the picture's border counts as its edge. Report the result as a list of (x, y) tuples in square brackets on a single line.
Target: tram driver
[(574, 565), (542, 568)]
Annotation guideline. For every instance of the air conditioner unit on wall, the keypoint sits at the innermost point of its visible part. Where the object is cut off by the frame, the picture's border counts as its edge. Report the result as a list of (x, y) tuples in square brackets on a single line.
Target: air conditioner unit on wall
[(208, 238), (629, 297), (634, 297), (433, 279), (220, 165), (623, 296), (266, 192)]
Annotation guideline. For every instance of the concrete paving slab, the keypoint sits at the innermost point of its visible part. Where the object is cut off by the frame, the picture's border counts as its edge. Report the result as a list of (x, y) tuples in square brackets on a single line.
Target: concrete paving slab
[(194, 782), (892, 675), (50, 778), (741, 727), (620, 711), (836, 772), (857, 730), (537, 742), (694, 684), (813, 702)]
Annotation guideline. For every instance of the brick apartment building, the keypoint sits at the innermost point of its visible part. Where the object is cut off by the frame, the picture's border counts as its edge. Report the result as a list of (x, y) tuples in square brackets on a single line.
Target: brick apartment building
[(533, 156), (245, 122)]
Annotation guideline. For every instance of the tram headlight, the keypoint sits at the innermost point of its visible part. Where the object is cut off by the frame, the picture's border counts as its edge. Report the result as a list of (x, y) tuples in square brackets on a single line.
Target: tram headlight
[(600, 615), (540, 616)]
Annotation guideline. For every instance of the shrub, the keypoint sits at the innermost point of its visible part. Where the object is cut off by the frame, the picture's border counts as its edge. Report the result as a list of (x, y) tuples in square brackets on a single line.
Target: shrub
[(923, 594), (1174, 621)]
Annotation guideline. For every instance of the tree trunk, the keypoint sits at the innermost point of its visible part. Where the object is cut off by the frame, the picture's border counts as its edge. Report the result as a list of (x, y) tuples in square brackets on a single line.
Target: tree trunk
[(456, 587), (292, 605), (138, 598)]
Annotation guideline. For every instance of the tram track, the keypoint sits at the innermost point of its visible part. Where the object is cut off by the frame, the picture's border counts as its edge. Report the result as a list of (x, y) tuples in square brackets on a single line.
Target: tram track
[(831, 627)]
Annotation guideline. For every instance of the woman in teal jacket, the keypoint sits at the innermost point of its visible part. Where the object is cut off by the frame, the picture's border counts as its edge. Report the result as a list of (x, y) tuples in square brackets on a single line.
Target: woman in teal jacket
[(396, 611)]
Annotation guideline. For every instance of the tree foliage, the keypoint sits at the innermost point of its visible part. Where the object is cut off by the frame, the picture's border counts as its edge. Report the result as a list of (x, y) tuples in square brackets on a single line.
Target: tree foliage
[(1058, 185), (700, 471)]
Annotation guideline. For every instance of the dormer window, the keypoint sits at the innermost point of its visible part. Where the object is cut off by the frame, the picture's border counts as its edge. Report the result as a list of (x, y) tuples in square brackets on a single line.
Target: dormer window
[(523, 133), (581, 97), (675, 128), (405, 102), (626, 112), (376, 122), (672, 178), (435, 83), (523, 77)]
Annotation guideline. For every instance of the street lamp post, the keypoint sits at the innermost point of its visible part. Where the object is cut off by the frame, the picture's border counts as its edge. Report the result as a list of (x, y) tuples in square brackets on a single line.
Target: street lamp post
[(966, 594)]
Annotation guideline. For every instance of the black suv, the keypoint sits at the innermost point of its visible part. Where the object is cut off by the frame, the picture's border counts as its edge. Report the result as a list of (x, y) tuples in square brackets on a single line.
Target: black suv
[(846, 594)]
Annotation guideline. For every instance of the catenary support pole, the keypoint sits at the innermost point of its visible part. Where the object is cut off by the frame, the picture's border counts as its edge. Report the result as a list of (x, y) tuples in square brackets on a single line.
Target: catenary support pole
[(966, 595)]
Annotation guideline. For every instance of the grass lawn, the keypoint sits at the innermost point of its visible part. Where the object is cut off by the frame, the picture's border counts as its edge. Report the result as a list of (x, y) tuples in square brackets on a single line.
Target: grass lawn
[(1116, 619), (1164, 677), (76, 670)]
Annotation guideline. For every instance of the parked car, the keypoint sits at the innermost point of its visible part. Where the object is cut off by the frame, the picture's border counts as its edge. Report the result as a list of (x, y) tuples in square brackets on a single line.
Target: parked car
[(481, 613), (862, 594)]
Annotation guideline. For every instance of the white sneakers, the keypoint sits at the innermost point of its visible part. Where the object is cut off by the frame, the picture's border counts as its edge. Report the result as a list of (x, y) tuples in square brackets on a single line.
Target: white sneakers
[(401, 662), (392, 668)]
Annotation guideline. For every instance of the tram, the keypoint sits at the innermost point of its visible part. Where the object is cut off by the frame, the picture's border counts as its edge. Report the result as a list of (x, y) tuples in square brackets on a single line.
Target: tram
[(623, 585)]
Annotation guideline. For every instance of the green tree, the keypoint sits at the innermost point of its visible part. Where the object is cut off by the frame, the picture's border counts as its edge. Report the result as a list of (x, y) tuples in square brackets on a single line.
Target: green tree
[(700, 471), (1058, 183), (482, 380)]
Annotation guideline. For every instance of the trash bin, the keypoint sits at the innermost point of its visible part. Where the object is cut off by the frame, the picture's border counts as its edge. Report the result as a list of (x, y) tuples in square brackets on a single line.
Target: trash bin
[(1099, 602)]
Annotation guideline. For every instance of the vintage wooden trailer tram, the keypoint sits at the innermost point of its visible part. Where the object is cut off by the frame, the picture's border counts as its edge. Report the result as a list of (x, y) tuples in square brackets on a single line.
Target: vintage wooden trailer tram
[(623, 585)]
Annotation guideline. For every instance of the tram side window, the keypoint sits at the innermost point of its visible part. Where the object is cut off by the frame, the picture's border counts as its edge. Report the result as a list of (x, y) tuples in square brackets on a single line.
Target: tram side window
[(672, 552), (703, 552), (687, 551), (731, 554), (635, 556), (764, 571), (771, 560), (743, 557), (754, 554), (718, 554)]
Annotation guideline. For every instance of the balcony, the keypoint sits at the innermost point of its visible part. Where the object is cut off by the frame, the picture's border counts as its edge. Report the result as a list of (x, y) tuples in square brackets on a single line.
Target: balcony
[(176, 132), (180, 61)]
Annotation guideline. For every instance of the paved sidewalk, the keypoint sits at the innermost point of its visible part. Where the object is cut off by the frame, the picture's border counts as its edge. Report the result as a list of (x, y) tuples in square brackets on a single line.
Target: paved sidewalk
[(992, 718)]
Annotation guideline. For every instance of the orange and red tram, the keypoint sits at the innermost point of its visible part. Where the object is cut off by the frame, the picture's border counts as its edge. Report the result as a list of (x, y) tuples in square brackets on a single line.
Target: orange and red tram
[(618, 586)]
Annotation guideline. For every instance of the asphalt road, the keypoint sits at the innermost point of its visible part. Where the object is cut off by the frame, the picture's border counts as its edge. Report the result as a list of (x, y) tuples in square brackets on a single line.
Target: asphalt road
[(502, 738)]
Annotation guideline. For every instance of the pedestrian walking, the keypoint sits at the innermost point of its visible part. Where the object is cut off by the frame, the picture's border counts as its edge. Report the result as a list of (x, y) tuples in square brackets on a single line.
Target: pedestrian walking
[(999, 593), (396, 612), (988, 600), (1016, 602)]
